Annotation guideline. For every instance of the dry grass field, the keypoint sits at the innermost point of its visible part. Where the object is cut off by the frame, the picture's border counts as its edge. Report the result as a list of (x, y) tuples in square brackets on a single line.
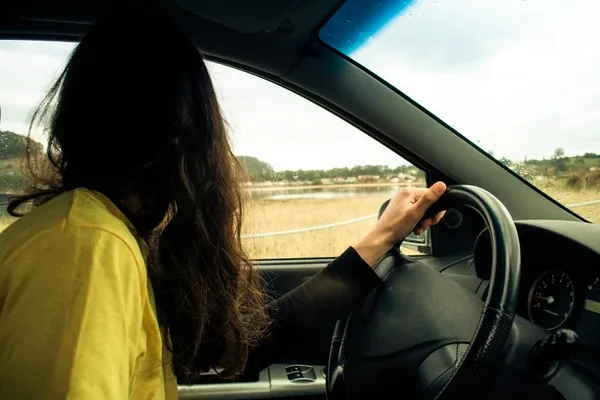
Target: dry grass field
[(277, 215), (568, 197)]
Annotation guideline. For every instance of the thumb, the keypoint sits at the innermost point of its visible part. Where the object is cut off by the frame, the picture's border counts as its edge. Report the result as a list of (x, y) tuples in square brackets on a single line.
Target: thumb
[(432, 195)]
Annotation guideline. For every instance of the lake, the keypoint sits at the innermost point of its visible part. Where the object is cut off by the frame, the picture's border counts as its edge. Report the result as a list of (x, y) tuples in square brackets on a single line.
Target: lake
[(327, 192)]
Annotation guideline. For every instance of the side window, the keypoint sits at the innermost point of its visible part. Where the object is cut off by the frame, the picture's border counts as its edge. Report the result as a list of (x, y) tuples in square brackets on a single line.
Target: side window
[(315, 182), (26, 71), (12, 180)]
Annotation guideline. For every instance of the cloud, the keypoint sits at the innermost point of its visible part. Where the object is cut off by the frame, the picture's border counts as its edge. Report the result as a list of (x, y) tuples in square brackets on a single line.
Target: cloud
[(529, 79)]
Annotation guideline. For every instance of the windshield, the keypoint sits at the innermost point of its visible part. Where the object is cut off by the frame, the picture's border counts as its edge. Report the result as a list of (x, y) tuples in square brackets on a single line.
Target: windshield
[(520, 79)]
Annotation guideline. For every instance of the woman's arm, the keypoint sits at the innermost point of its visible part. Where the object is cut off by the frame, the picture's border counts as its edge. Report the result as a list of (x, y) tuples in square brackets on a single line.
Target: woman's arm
[(329, 295), (343, 285)]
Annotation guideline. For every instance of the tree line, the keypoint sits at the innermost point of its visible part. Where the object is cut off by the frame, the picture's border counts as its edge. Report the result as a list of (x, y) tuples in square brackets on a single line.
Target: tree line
[(556, 166), (259, 171)]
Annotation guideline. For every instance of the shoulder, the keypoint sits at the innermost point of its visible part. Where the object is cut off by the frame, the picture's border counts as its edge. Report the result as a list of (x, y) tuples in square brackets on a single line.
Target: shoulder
[(78, 222)]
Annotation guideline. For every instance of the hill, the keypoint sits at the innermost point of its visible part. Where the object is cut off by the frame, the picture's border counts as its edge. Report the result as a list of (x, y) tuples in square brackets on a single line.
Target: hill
[(12, 145), (12, 150)]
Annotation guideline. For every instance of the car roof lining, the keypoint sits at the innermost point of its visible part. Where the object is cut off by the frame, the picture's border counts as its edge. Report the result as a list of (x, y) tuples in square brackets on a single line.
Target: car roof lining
[(249, 16), (286, 33)]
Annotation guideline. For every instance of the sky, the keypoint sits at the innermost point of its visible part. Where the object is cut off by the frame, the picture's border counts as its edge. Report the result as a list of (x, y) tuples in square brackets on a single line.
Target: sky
[(517, 77)]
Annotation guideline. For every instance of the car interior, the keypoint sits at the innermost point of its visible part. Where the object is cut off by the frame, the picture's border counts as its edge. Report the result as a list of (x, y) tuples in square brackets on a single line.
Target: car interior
[(472, 316)]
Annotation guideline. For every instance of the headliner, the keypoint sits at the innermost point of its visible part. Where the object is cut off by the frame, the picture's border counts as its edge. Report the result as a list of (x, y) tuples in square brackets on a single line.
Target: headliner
[(267, 35)]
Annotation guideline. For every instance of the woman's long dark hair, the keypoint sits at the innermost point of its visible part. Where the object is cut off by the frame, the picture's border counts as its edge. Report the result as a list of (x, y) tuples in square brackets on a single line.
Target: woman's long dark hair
[(134, 115)]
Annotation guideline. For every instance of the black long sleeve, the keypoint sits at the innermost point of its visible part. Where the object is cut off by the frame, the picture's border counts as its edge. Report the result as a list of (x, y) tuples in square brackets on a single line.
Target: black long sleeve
[(330, 295)]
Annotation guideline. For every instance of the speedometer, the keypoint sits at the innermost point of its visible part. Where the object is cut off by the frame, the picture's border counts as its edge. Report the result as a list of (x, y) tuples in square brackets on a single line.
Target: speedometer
[(551, 299)]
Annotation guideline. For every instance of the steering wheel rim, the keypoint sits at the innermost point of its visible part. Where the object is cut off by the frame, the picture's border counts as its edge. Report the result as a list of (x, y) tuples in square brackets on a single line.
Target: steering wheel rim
[(476, 367)]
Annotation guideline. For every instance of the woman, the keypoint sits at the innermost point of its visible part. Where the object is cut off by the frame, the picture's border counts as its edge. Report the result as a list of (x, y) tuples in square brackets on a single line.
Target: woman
[(129, 270)]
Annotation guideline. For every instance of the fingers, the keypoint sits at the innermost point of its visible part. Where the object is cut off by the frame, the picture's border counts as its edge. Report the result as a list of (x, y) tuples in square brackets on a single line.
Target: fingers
[(438, 217), (430, 196), (423, 226), (428, 223)]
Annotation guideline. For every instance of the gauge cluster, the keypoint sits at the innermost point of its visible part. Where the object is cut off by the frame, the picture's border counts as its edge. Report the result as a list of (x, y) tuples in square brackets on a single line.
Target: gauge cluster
[(551, 299), (555, 300), (565, 298), (560, 276)]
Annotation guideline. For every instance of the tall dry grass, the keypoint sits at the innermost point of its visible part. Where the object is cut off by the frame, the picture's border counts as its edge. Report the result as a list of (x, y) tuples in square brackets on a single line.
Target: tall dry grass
[(277, 215), (583, 181)]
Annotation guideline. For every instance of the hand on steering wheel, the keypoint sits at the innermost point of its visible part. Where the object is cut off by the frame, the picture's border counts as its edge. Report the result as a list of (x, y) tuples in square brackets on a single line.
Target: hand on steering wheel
[(403, 214), (425, 335)]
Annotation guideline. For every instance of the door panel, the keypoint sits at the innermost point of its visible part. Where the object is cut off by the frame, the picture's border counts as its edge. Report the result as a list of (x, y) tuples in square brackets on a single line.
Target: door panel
[(282, 277), (275, 382), (312, 348), (309, 357)]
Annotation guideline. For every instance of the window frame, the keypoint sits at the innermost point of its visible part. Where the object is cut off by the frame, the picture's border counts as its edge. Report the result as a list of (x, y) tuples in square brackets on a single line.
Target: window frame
[(425, 245)]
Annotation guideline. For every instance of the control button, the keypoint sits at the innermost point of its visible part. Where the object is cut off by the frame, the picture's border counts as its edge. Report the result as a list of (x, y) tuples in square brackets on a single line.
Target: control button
[(295, 375), (293, 368)]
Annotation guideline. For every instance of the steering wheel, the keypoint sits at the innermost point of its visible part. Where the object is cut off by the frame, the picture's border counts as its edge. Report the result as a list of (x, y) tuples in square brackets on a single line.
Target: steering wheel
[(413, 335)]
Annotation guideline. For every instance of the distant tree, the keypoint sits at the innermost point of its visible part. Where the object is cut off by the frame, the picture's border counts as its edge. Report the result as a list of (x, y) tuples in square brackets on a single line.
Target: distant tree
[(558, 153), (256, 169), (558, 160)]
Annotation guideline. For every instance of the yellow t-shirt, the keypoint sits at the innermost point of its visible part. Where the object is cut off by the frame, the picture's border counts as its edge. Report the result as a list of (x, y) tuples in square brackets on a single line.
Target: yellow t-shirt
[(77, 314)]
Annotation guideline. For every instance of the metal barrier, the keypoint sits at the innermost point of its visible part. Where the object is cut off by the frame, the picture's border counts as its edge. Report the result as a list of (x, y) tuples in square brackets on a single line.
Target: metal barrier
[(311, 228), (585, 203), (354, 220)]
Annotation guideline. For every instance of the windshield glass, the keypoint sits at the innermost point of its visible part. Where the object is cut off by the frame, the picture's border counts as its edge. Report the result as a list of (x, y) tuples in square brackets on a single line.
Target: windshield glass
[(520, 79)]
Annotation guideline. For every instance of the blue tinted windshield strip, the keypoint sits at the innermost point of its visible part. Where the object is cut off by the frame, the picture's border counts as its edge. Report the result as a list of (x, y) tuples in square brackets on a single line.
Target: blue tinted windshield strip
[(358, 20)]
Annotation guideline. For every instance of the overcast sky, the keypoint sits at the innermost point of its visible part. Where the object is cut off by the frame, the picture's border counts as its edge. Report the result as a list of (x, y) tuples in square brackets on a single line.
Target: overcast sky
[(518, 77)]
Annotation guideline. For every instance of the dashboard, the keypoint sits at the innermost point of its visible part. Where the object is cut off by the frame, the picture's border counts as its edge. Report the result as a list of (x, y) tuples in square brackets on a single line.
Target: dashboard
[(560, 278)]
